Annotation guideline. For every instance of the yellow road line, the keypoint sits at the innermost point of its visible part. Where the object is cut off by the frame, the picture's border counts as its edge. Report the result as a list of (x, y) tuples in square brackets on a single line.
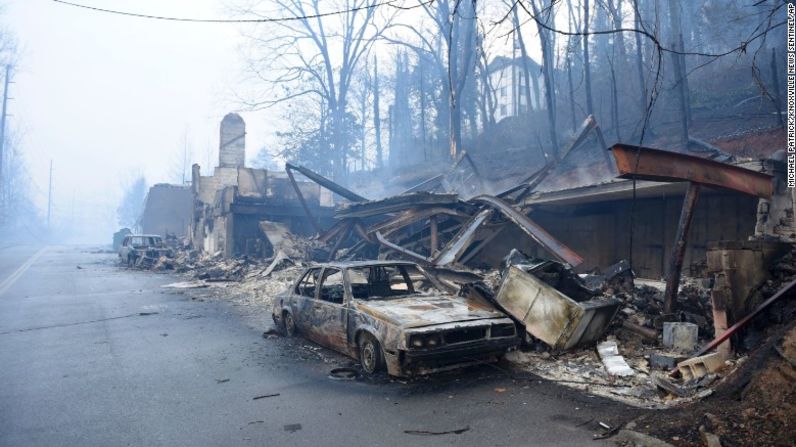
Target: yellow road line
[(5, 285)]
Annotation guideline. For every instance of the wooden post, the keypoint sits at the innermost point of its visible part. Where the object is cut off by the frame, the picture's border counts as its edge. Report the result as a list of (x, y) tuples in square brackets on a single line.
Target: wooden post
[(678, 251), (303, 201)]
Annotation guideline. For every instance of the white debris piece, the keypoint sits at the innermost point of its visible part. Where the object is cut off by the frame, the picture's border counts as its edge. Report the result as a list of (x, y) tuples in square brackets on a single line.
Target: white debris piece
[(614, 363), (186, 285)]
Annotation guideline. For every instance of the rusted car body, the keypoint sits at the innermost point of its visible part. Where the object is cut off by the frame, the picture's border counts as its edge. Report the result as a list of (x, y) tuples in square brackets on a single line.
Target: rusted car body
[(136, 247), (400, 310)]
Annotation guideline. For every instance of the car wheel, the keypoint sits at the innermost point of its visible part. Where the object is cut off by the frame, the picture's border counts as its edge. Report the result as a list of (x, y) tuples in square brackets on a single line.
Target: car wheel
[(370, 355), (289, 324)]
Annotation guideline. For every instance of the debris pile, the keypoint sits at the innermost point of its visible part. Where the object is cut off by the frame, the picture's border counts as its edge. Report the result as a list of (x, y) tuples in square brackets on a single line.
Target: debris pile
[(651, 344), (605, 331)]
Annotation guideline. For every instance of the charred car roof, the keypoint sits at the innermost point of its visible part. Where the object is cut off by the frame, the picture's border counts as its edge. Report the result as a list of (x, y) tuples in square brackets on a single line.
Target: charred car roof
[(350, 264)]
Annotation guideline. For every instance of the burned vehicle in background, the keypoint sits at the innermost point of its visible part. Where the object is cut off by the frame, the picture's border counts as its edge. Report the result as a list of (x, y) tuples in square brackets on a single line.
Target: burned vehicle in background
[(393, 315), (138, 247)]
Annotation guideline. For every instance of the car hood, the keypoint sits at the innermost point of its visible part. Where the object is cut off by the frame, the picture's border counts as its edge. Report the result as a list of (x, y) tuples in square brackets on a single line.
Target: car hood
[(423, 310)]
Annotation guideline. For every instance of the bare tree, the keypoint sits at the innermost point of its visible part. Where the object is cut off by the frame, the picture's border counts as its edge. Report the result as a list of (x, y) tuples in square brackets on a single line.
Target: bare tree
[(315, 54), (180, 170), (451, 45), (548, 56), (376, 114), (586, 59), (132, 205)]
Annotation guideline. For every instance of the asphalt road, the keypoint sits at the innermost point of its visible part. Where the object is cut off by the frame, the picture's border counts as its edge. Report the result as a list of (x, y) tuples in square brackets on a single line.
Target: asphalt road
[(94, 354)]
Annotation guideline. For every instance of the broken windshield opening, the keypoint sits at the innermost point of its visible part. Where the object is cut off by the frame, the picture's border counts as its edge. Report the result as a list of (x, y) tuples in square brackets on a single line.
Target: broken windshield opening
[(146, 241), (384, 282)]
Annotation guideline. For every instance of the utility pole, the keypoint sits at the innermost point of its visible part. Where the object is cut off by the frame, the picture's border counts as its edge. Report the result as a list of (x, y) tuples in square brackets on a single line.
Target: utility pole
[(50, 195), (3, 138)]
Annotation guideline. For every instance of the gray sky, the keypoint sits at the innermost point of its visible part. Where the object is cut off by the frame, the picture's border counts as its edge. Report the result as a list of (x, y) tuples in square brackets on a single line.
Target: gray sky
[(106, 97)]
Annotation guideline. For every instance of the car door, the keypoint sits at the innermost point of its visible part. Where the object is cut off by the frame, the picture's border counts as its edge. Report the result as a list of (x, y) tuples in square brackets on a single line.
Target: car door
[(124, 250), (329, 311), (303, 298)]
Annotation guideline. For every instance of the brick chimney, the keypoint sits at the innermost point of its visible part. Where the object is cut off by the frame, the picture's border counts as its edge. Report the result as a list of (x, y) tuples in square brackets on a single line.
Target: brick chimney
[(232, 143)]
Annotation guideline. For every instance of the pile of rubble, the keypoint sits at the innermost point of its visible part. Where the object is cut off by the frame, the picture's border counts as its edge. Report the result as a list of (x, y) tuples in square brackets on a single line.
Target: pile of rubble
[(647, 343), (626, 353), (565, 315)]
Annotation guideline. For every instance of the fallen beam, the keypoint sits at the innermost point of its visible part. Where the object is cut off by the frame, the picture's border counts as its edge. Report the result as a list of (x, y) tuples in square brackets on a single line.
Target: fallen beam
[(645, 163), (399, 249), (580, 136), (456, 247), (411, 216), (737, 326), (477, 249), (303, 202), (427, 185), (532, 229), (397, 203), (326, 183)]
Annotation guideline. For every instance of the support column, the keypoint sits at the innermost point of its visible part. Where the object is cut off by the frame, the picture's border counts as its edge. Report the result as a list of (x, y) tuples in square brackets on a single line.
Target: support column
[(678, 251)]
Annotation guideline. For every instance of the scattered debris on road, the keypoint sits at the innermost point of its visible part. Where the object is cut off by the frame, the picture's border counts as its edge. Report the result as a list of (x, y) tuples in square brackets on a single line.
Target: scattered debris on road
[(292, 428), (457, 431)]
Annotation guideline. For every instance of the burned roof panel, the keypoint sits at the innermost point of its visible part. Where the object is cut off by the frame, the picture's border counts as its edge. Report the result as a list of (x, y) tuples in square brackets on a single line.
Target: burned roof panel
[(396, 203)]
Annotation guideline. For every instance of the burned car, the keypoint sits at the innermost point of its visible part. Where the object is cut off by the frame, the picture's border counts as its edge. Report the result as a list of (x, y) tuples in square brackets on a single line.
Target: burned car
[(392, 315), (136, 247)]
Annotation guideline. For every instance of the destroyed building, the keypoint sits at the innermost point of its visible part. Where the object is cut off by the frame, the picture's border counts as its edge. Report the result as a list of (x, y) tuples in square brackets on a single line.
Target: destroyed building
[(588, 208), (230, 204), (167, 210)]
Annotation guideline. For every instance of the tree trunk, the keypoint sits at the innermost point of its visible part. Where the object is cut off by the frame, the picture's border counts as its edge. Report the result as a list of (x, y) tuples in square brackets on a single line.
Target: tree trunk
[(376, 119), (363, 133), (549, 83), (571, 94), (640, 62), (524, 54), (680, 68), (586, 62), (454, 119), (614, 102), (775, 84), (680, 99), (422, 92), (619, 64)]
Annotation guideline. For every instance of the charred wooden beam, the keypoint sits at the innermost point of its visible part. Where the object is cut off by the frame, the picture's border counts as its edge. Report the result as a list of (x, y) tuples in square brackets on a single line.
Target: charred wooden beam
[(480, 246), (411, 216), (434, 245), (786, 289), (678, 251), (342, 237), (398, 203), (532, 229), (334, 231), (303, 202), (399, 249), (362, 232), (427, 185), (326, 183), (532, 182), (456, 246)]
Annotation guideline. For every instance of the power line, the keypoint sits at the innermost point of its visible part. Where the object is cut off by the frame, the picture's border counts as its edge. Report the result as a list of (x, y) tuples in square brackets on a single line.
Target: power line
[(390, 3)]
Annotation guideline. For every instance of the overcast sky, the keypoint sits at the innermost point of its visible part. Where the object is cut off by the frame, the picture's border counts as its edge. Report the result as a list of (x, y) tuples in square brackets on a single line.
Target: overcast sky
[(106, 97)]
